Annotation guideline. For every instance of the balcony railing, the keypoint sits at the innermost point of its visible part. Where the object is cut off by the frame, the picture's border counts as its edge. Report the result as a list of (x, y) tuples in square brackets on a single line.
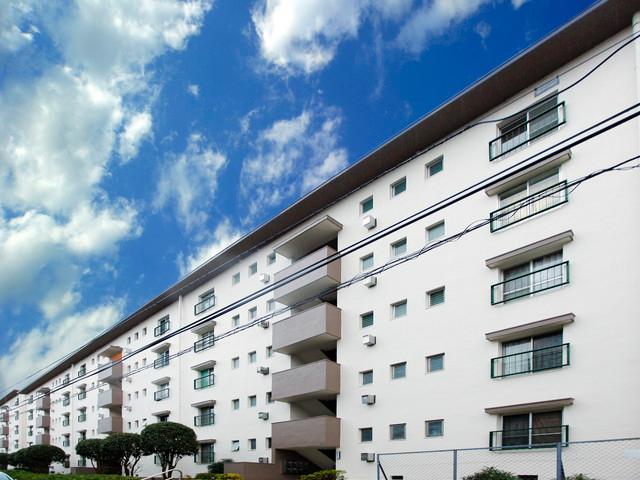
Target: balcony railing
[(537, 437), (204, 382), (204, 420), (204, 304), (537, 360), (82, 418), (82, 372), (530, 206), (161, 362), (162, 328), (204, 343), (529, 283), (520, 133), (161, 394), (66, 443), (82, 395), (205, 458), (66, 422), (66, 401)]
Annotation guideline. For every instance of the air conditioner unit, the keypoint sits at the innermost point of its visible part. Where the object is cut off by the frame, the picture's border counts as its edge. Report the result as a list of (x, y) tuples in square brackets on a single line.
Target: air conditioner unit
[(263, 459), (264, 277), (369, 340), (264, 324), (263, 370), (368, 399), (368, 457), (369, 222), (263, 415), (371, 281)]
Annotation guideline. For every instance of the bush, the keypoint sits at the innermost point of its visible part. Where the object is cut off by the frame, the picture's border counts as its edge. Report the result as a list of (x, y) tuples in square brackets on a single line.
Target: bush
[(227, 476), (37, 458), (580, 476), (4, 461), (203, 476), (23, 475), (325, 475), (491, 473)]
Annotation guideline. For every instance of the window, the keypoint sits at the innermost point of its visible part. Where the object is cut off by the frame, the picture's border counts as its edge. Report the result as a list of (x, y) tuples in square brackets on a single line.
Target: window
[(366, 262), (235, 362), (366, 205), (253, 313), (253, 268), (531, 354), (434, 428), (398, 187), (435, 231), (252, 357), (271, 305), (366, 434), (144, 332), (235, 320), (271, 258), (252, 444), (235, 278), (435, 363), (398, 248), (398, 370), (366, 377), (205, 379), (536, 275), (128, 340), (268, 442), (163, 326), (206, 301), (235, 404), (398, 431), (435, 297), (399, 309), (366, 319), (269, 351), (252, 400), (207, 453), (162, 360), (136, 336), (269, 397), (434, 167), (527, 429), (235, 445)]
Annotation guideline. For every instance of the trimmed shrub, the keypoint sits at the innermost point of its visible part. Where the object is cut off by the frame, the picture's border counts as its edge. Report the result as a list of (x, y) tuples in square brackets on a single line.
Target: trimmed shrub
[(491, 473), (203, 476), (227, 476), (23, 475), (325, 475), (37, 458), (580, 476)]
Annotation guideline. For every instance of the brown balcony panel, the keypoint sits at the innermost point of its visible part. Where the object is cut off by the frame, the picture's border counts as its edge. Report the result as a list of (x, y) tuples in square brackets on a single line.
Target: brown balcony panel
[(43, 421), (43, 403), (4, 417), (311, 284), (316, 328), (43, 439), (110, 398), (110, 424), (317, 380), (4, 443), (111, 374), (4, 430), (313, 432)]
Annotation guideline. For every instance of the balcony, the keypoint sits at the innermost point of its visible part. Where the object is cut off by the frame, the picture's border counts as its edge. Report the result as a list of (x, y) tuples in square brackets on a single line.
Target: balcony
[(82, 395), (110, 398), (43, 421), (205, 304), (160, 362), (205, 458), (4, 430), (82, 372), (530, 206), (110, 424), (4, 416), (162, 328), (111, 373), (43, 439), (316, 328), (204, 420), (66, 401), (204, 382), (526, 128), (66, 421), (43, 403), (313, 283), (530, 283), (82, 417), (538, 360), (317, 380), (313, 432), (4, 443), (204, 343), (538, 437), (161, 394)]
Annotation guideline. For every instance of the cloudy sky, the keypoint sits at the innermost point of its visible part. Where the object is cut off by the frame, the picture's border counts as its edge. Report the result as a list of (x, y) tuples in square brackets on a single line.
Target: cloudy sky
[(138, 138)]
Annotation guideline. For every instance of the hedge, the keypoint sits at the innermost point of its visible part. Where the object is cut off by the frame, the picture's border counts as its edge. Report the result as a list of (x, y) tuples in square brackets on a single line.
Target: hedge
[(23, 475)]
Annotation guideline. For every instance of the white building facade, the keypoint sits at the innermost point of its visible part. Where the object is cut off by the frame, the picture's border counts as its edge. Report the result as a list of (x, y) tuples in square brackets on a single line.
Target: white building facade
[(518, 333)]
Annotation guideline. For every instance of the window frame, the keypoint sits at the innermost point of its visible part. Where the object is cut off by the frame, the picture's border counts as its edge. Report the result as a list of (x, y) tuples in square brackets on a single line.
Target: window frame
[(362, 205), (362, 317), (434, 291), (398, 243), (429, 359), (391, 431), (395, 184), (427, 167), (395, 367), (395, 305), (363, 374), (427, 423)]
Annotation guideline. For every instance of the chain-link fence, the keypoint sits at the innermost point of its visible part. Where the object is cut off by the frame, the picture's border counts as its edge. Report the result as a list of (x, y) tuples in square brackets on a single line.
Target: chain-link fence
[(596, 460)]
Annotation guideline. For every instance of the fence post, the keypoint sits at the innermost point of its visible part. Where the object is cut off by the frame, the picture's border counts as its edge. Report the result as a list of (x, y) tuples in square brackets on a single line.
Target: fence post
[(455, 465), (559, 469)]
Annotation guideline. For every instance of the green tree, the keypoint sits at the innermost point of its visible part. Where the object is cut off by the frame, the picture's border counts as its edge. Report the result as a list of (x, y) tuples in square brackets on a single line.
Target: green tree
[(37, 458), (325, 475), (491, 473), (123, 448), (90, 448), (4, 461), (170, 442)]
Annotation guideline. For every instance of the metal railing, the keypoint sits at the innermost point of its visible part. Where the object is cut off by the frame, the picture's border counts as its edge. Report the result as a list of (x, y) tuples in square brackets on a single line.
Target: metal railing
[(66, 422), (205, 458), (66, 402), (162, 328), (204, 382), (537, 437), (161, 394), (534, 282), (537, 360), (205, 304), (204, 343), (82, 372), (82, 395), (161, 362), (529, 206), (82, 418), (204, 420), (520, 133)]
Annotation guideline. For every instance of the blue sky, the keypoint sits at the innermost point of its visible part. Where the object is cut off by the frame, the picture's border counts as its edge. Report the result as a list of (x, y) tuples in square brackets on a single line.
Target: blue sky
[(139, 138)]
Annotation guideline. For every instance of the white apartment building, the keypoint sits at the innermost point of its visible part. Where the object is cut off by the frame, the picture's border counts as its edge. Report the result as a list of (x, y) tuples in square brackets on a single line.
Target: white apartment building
[(522, 332)]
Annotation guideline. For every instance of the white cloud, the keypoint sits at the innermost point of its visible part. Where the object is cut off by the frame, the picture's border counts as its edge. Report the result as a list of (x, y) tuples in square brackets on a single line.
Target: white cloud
[(188, 182), (483, 29), (194, 90), (290, 158), (518, 3), (13, 34), (136, 129), (223, 236), (49, 341)]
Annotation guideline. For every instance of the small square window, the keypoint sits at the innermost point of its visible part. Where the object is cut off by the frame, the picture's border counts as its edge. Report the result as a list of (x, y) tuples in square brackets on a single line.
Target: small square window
[(366, 377), (253, 268), (435, 297), (269, 397), (235, 445), (252, 444), (398, 370), (235, 320), (366, 319), (253, 313), (399, 309), (144, 332), (252, 400), (366, 434), (435, 167), (398, 431), (435, 362), (366, 262), (271, 305), (398, 187), (235, 279), (434, 428), (366, 205), (269, 351), (268, 442), (235, 362), (435, 231), (235, 404), (252, 357), (398, 248), (271, 258)]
